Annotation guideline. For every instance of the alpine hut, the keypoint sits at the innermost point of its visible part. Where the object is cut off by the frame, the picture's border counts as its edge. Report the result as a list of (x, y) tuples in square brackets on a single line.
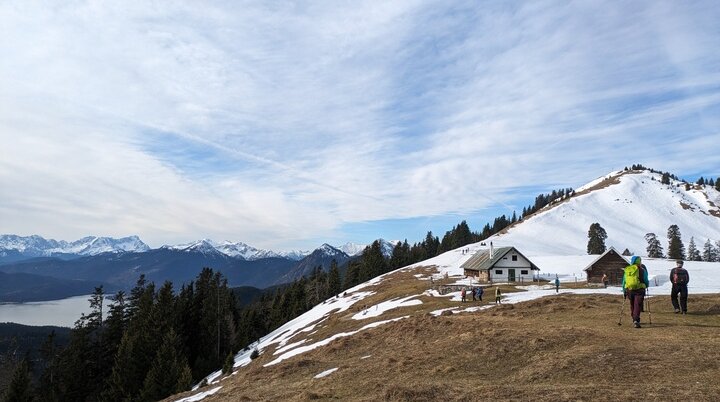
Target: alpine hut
[(502, 264), (610, 263)]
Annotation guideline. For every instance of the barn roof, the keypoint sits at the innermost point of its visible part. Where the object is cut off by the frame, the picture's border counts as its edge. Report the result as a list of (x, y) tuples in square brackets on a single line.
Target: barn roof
[(481, 260), (610, 251)]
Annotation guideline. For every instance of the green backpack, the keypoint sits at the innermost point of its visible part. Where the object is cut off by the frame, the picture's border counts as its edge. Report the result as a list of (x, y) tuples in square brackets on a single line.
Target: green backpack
[(632, 278)]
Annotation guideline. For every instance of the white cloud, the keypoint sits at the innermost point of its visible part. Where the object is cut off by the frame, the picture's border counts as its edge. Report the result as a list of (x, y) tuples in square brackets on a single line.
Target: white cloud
[(276, 125)]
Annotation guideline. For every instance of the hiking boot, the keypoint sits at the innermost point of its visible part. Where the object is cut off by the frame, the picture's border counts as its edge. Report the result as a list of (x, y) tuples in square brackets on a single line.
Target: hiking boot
[(677, 311), (684, 312), (636, 324)]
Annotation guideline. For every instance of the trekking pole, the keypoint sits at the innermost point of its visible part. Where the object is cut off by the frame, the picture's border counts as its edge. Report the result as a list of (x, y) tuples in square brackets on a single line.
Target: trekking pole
[(648, 305), (621, 309)]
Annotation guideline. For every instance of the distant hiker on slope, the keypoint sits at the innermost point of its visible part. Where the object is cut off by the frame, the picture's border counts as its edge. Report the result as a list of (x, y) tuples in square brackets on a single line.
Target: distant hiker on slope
[(480, 293), (462, 294), (557, 284), (635, 281), (498, 294), (679, 277)]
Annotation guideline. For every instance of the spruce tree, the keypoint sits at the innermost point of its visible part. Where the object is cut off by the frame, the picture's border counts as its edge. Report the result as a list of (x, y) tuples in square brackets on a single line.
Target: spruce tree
[(48, 388), (693, 253), (19, 389), (596, 239), (401, 254), (432, 244), (333, 279), (717, 184), (665, 178), (372, 262), (352, 275), (676, 249), (654, 248), (709, 252), (169, 372)]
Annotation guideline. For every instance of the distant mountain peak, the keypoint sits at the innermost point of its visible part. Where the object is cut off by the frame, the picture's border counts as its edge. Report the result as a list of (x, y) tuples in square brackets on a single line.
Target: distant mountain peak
[(627, 204), (37, 246)]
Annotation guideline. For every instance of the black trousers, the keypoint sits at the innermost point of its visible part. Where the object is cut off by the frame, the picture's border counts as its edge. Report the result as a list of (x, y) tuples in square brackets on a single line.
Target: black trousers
[(682, 290)]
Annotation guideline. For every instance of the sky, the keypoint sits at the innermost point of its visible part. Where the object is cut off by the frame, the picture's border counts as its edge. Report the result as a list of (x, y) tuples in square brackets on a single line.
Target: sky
[(286, 125)]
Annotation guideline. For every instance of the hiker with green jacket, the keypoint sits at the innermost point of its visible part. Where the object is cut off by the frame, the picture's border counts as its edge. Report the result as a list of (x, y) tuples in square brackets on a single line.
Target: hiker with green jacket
[(635, 281)]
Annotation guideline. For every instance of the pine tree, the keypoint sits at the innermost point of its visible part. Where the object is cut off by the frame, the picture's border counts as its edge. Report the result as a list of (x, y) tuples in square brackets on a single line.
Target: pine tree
[(717, 184), (372, 262), (48, 388), (113, 330), (676, 249), (596, 239), (654, 248), (352, 275), (19, 389), (137, 347), (169, 372), (432, 244), (665, 178), (333, 279), (401, 254), (693, 253), (229, 363), (710, 254)]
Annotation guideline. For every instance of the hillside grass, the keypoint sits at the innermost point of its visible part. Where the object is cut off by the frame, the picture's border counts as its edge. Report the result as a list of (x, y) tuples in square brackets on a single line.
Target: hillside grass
[(561, 347)]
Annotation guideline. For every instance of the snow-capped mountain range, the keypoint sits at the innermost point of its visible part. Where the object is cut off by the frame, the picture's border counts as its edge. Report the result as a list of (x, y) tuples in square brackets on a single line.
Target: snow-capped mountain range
[(37, 246), (237, 250)]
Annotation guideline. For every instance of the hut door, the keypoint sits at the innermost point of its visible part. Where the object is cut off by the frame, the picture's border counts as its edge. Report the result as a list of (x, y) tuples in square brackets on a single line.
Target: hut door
[(511, 275)]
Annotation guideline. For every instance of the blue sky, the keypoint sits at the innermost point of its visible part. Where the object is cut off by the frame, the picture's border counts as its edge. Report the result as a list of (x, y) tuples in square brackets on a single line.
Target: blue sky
[(285, 125)]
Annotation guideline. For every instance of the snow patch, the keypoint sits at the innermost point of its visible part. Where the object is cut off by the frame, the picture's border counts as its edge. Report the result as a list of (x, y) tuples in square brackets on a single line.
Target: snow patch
[(326, 373), (200, 396)]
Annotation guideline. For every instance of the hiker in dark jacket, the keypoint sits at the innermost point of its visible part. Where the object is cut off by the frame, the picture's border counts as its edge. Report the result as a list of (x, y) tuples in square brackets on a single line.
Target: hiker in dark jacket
[(679, 278), (557, 284), (635, 281), (480, 293), (498, 295)]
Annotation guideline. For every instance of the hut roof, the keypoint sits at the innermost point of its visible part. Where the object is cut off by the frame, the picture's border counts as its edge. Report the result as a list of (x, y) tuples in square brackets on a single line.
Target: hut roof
[(611, 251), (482, 261)]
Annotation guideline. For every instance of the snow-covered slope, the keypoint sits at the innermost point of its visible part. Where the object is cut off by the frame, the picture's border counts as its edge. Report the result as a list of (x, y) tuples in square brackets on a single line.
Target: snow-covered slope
[(627, 205), (37, 246)]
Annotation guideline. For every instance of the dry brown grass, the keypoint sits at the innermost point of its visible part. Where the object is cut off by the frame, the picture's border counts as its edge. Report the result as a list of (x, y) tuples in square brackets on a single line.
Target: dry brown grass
[(565, 347)]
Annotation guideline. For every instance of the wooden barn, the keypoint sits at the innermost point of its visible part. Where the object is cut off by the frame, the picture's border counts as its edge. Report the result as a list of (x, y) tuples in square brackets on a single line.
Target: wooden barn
[(502, 264), (610, 263)]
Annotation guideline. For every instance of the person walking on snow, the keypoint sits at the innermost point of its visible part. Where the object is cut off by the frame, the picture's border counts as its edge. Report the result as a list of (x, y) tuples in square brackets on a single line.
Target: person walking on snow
[(462, 294), (557, 284), (605, 280), (498, 294), (679, 278), (635, 281), (480, 293)]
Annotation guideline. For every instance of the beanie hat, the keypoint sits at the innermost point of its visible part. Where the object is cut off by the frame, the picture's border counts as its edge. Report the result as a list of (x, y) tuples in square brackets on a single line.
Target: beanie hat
[(634, 260)]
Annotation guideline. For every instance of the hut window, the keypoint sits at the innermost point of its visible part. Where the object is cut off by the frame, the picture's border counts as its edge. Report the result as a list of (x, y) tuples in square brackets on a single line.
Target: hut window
[(524, 272), (498, 271), (514, 258)]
